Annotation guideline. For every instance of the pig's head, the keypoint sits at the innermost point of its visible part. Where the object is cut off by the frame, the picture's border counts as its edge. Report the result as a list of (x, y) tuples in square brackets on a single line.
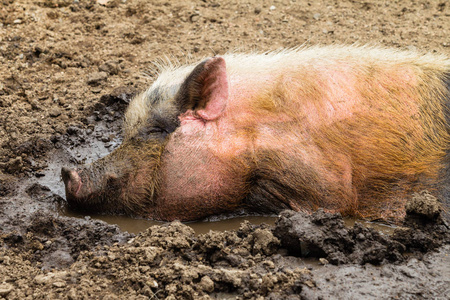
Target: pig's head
[(126, 181)]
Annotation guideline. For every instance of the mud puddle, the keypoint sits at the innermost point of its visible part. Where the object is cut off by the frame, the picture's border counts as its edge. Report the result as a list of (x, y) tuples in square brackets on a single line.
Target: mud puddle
[(133, 225), (138, 225)]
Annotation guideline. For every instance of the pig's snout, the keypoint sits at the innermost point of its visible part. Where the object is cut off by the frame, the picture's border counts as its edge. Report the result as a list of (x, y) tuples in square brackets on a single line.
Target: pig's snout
[(72, 181)]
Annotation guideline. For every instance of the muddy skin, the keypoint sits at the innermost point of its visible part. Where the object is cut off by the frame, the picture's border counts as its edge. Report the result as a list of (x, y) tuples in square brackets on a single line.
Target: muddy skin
[(59, 109)]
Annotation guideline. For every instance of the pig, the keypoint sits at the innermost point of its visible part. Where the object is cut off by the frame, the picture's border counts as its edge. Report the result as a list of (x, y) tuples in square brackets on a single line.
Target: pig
[(348, 129)]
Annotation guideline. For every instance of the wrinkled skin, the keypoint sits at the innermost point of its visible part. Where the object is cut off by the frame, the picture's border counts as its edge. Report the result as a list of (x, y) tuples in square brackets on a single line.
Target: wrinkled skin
[(356, 133)]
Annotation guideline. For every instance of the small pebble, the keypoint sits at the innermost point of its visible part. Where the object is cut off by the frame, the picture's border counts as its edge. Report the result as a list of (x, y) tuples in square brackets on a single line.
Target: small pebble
[(59, 284), (194, 18), (96, 78), (54, 112), (206, 284), (5, 289)]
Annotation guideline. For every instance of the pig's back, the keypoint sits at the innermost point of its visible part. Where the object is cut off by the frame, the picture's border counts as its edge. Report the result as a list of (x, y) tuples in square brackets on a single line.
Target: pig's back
[(358, 118)]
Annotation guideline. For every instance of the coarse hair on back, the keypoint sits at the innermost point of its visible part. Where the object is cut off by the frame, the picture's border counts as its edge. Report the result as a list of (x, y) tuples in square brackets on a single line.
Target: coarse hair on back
[(171, 72)]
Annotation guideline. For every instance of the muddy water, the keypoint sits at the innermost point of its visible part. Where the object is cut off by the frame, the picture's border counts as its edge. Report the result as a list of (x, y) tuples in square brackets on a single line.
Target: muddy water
[(132, 225), (381, 227), (138, 225)]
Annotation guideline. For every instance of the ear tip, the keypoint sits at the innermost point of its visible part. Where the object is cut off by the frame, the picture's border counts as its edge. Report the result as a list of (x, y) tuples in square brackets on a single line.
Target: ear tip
[(216, 61), (218, 58)]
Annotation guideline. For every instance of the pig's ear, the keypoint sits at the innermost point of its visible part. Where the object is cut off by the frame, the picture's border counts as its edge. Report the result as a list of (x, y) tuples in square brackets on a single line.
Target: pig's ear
[(205, 90)]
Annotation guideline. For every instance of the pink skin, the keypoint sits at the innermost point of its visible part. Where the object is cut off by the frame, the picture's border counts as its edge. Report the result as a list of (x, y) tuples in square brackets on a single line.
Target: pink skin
[(195, 165), (200, 181)]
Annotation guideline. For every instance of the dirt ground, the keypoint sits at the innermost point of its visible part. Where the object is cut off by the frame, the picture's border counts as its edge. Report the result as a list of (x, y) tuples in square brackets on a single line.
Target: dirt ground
[(68, 68)]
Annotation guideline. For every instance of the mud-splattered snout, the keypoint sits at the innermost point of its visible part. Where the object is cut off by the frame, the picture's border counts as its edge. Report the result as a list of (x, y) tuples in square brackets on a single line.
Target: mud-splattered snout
[(78, 187), (72, 181), (93, 189), (80, 192)]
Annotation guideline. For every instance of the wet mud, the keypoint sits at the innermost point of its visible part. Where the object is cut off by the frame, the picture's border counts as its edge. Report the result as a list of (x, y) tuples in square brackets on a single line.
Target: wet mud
[(83, 258), (68, 69)]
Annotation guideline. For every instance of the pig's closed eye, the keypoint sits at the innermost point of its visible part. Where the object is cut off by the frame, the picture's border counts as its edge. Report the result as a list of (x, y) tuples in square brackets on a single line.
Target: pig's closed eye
[(156, 130), (153, 132)]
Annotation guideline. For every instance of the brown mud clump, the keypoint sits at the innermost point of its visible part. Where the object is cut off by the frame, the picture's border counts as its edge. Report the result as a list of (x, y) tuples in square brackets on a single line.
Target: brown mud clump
[(168, 261), (426, 226), (92, 259), (56, 242), (424, 205), (324, 235)]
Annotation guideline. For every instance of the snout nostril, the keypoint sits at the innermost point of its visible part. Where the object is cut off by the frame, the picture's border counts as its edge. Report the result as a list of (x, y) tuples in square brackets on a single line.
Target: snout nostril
[(65, 174), (72, 182)]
